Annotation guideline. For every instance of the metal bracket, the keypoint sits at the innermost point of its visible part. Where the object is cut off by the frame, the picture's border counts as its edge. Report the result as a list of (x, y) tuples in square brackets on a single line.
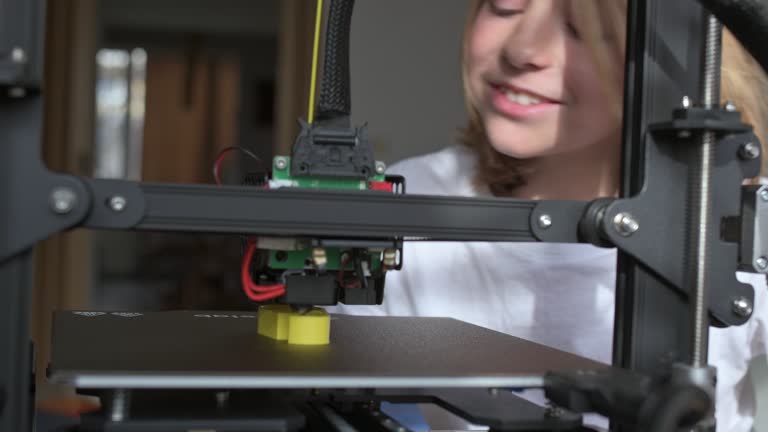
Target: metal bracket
[(754, 230), (690, 119), (37, 203), (558, 221), (631, 223), (117, 204)]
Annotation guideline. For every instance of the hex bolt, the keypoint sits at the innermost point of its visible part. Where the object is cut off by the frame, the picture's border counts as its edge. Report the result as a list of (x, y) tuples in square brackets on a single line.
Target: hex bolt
[(62, 200), (742, 307), (686, 104), (625, 224), (381, 168), (118, 203), (545, 221), (281, 164), (761, 263), (749, 151)]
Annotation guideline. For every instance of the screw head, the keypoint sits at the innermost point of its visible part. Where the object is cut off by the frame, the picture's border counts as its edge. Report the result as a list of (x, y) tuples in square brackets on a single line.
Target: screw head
[(381, 168), (749, 151), (764, 195), (118, 203), (762, 263), (625, 224), (686, 102), (545, 221), (62, 200), (684, 134), (281, 164), (18, 55), (742, 307), (730, 106)]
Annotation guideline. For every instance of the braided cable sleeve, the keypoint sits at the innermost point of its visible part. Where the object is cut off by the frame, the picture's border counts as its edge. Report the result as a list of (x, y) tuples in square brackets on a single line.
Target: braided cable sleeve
[(335, 99)]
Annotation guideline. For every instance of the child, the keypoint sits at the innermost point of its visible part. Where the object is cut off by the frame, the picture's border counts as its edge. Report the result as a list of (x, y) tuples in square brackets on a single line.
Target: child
[(544, 83)]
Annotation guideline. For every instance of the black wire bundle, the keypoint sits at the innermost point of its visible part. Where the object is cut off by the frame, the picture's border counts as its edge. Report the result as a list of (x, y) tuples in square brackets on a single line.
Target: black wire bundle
[(335, 100)]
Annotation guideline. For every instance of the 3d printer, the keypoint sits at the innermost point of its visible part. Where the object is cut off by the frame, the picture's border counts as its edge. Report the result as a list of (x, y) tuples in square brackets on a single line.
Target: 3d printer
[(211, 371)]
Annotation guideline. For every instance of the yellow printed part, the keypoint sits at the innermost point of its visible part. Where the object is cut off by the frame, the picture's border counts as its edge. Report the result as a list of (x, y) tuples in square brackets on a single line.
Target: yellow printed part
[(273, 321), (311, 328)]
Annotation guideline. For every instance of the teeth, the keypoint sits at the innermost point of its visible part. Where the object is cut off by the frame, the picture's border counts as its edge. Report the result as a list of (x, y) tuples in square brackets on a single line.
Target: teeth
[(521, 98)]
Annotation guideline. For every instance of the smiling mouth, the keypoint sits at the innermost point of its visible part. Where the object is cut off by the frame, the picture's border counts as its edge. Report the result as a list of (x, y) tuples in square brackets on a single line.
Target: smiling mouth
[(515, 104), (522, 97)]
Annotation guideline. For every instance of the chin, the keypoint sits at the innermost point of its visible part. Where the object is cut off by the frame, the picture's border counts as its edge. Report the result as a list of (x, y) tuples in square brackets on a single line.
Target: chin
[(518, 152), (518, 145), (520, 141)]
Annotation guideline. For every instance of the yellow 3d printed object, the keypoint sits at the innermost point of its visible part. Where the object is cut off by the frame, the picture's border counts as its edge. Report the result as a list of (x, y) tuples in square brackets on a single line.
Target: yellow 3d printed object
[(273, 321), (280, 322), (311, 328)]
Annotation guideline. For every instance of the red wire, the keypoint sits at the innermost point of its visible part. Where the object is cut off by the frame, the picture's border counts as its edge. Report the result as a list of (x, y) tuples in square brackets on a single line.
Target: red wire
[(217, 165), (256, 292), (226, 151), (263, 297), (340, 277)]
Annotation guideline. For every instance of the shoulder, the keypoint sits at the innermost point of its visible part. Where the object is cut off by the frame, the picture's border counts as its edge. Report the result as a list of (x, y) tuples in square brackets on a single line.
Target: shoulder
[(731, 351), (446, 172)]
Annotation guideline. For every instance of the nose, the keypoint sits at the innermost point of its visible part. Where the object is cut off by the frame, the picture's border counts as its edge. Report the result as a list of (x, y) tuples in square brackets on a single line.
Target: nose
[(532, 44)]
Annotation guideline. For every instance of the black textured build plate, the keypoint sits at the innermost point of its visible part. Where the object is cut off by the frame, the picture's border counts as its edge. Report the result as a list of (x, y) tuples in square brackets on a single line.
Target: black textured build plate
[(223, 350)]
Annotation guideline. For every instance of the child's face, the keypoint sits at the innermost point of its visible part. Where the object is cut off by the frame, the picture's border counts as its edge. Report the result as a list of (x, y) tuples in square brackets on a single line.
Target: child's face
[(534, 83)]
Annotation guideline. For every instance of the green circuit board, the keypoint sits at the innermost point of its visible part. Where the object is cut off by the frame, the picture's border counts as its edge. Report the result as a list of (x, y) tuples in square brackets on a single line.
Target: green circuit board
[(300, 259), (297, 260), (281, 177)]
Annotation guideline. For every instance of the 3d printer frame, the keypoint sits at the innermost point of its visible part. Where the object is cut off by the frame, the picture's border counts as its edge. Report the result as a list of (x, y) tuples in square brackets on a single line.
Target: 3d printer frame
[(653, 323)]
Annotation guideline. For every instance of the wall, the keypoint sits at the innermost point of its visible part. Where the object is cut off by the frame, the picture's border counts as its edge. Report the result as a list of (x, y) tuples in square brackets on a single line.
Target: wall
[(187, 126), (406, 78), (238, 17)]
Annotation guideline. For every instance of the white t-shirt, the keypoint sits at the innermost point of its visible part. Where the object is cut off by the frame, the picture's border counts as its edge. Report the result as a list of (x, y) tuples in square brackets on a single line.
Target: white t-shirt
[(560, 295)]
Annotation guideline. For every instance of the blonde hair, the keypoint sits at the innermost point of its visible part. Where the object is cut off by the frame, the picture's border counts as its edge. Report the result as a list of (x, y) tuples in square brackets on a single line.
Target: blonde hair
[(743, 83)]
